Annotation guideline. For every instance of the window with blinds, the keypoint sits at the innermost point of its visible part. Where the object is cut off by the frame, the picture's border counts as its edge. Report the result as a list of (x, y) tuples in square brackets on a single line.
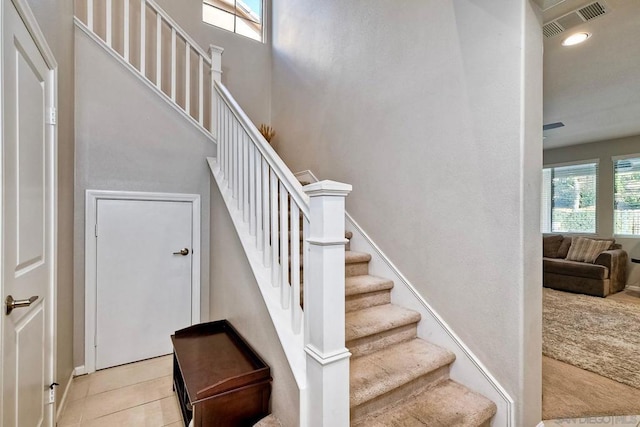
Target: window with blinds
[(569, 198), (239, 16), (626, 202)]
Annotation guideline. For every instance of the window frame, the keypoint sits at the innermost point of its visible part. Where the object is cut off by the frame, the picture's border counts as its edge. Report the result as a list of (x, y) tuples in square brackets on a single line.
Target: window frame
[(550, 202), (263, 22), (614, 159)]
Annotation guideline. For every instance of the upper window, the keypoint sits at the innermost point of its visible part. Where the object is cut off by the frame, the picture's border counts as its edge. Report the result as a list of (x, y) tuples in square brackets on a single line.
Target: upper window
[(240, 16), (626, 204), (569, 198)]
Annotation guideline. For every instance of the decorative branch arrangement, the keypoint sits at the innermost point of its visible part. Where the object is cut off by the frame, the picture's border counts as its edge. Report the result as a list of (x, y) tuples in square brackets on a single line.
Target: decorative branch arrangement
[(267, 132)]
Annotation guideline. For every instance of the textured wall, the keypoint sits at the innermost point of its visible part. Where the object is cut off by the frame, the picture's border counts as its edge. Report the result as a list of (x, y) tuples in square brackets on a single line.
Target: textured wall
[(432, 110), (55, 18), (235, 296), (128, 139)]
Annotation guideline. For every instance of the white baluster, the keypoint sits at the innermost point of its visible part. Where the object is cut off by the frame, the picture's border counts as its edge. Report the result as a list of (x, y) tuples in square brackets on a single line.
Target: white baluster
[(173, 64), (235, 161), (126, 30), (259, 195), (200, 90), (109, 22), (90, 14), (241, 170), (327, 356), (296, 312), (252, 189), (227, 142), (284, 247), (143, 37), (266, 244), (219, 147), (275, 251), (305, 255), (159, 51), (187, 78), (245, 176)]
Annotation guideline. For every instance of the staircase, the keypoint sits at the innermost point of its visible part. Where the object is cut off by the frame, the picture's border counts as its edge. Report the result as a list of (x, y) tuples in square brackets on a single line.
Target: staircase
[(355, 356), (397, 379)]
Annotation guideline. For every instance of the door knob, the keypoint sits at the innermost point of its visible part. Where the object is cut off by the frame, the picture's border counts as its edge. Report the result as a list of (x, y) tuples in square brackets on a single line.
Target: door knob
[(18, 303), (183, 252)]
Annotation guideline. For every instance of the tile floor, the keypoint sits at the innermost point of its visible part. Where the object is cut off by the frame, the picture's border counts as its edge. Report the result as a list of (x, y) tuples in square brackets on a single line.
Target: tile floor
[(137, 395)]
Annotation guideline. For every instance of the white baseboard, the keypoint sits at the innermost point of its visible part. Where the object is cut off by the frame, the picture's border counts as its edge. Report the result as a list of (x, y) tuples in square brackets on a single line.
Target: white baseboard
[(63, 402), (467, 369), (79, 370), (633, 288)]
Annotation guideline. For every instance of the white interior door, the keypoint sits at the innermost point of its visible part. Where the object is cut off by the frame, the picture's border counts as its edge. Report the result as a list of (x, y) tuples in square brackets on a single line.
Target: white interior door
[(28, 197), (143, 282)]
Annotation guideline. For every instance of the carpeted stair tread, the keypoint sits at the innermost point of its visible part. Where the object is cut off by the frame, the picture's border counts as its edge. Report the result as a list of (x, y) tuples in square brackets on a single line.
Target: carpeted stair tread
[(382, 372), (448, 404), (352, 257), (373, 320), (355, 285)]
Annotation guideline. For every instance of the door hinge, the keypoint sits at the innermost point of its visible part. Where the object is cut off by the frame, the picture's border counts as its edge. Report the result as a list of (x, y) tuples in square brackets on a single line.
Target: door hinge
[(95, 229), (52, 116), (52, 393)]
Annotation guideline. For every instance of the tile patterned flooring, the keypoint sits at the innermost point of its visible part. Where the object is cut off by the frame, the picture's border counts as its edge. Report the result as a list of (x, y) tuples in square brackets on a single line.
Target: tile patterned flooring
[(136, 395)]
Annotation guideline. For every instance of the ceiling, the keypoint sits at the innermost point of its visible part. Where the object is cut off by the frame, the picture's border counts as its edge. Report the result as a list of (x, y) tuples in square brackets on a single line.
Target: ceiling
[(594, 87)]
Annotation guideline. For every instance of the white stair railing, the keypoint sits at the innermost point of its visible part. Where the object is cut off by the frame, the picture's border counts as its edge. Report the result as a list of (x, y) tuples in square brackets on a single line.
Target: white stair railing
[(270, 210), (146, 39)]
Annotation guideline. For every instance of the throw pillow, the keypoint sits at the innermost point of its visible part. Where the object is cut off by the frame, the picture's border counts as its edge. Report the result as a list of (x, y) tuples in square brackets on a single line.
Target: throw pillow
[(550, 245), (587, 250), (564, 248)]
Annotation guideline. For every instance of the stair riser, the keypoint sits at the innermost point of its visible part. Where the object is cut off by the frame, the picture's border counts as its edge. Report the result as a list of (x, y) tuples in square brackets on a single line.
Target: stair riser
[(356, 269), (369, 299), (399, 394), (371, 343)]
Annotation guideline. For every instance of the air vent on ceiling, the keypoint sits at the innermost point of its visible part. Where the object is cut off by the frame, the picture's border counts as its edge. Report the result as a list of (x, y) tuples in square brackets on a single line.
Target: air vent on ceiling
[(552, 29), (592, 11), (575, 18)]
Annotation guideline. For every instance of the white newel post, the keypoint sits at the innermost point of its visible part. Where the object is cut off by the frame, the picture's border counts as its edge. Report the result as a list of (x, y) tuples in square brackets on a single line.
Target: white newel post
[(216, 76), (324, 302)]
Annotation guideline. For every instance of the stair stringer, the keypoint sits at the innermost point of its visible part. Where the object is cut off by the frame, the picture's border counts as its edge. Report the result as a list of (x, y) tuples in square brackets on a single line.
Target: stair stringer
[(467, 369)]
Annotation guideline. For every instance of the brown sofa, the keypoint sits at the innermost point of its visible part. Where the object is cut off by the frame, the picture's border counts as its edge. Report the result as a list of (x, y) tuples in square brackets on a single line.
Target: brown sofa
[(606, 275)]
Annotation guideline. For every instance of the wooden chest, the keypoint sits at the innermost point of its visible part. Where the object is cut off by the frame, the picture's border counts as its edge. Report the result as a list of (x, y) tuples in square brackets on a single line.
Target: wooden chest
[(219, 379)]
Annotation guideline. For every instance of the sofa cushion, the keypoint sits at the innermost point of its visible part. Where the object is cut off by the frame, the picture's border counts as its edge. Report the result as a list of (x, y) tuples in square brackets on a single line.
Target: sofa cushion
[(575, 268), (587, 250), (551, 244), (564, 247)]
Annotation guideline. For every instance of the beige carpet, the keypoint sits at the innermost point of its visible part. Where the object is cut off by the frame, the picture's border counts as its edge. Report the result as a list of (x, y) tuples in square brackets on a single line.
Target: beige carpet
[(596, 334)]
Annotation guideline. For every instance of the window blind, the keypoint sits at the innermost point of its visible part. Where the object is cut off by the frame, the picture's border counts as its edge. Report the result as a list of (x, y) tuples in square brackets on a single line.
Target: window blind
[(569, 198), (626, 211)]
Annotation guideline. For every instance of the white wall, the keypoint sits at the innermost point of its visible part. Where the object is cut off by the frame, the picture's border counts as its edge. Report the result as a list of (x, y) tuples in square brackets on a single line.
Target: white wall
[(246, 63), (604, 151), (128, 139), (235, 296), (432, 110)]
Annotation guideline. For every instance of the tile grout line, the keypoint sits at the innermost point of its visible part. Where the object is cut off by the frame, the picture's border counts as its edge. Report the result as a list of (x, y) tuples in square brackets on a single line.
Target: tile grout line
[(128, 385), (127, 409)]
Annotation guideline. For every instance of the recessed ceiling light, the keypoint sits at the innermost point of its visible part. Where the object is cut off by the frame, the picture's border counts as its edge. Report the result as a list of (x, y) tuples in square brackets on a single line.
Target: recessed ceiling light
[(575, 39)]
